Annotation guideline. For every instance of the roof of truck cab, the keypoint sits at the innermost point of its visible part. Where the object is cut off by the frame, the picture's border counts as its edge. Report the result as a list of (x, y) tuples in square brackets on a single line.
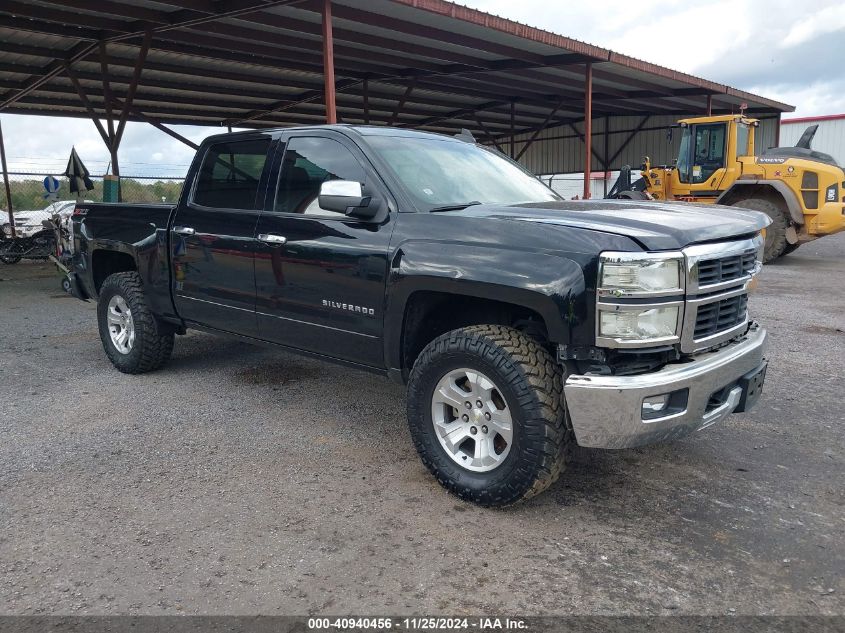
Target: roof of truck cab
[(360, 130)]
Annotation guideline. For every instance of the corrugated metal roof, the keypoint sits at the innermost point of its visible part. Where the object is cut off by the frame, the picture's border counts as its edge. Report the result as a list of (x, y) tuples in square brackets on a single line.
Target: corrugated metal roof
[(259, 64)]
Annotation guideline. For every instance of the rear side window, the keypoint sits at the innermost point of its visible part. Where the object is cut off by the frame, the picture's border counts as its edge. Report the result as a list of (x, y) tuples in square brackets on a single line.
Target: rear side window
[(228, 178)]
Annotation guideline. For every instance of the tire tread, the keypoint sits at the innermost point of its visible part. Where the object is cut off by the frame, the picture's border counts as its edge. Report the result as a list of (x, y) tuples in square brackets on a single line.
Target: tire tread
[(537, 380)]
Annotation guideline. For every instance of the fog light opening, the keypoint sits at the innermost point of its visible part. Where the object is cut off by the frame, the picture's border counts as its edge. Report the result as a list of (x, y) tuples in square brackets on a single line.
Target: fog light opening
[(655, 405), (662, 405)]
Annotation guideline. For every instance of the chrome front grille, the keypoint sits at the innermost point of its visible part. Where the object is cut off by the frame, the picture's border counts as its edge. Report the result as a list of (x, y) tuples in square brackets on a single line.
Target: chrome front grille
[(712, 318), (715, 271), (716, 305)]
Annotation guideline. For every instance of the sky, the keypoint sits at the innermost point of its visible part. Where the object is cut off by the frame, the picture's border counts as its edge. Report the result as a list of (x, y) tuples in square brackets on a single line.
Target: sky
[(785, 50)]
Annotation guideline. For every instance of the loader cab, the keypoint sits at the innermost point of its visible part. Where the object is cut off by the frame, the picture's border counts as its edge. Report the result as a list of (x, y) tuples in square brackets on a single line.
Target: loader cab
[(708, 155)]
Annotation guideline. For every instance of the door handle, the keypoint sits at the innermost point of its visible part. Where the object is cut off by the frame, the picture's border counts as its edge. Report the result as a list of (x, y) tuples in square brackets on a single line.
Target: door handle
[(183, 230), (271, 238)]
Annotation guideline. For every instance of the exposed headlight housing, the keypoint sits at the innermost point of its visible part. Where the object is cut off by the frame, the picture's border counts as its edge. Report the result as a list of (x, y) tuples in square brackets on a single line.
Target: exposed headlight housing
[(623, 319), (640, 274), (7, 230), (639, 323)]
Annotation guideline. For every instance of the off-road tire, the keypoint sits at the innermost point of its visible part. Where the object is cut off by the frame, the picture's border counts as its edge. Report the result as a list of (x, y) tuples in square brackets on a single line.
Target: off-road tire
[(532, 386), (10, 260), (776, 232), (153, 339)]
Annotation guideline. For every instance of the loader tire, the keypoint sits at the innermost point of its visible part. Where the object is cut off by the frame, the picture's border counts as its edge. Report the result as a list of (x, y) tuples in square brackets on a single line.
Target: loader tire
[(134, 340), (496, 386), (776, 232)]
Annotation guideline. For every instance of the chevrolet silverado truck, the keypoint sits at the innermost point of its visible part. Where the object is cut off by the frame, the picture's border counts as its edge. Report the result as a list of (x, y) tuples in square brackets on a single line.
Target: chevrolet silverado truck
[(521, 323)]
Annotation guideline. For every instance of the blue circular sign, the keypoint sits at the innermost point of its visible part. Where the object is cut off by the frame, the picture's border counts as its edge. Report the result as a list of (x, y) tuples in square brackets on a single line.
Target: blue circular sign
[(51, 185)]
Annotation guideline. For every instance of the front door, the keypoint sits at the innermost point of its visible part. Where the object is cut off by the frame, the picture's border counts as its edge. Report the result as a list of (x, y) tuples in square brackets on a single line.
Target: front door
[(701, 161), (320, 275), (213, 237)]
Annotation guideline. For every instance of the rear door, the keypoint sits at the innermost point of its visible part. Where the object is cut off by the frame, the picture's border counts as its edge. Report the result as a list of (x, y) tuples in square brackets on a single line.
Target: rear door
[(212, 239), (321, 284)]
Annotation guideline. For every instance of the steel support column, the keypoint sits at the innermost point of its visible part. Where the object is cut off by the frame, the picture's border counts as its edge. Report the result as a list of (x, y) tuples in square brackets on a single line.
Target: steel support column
[(104, 67), (6, 181), (366, 89), (328, 63), (709, 105), (605, 163), (777, 132), (513, 129), (588, 126)]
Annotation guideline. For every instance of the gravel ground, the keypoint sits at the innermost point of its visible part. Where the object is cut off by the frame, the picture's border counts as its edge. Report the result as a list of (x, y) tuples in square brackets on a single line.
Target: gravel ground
[(241, 480)]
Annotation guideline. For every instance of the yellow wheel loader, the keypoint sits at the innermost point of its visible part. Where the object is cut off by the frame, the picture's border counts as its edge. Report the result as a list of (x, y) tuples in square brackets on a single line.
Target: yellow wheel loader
[(801, 190)]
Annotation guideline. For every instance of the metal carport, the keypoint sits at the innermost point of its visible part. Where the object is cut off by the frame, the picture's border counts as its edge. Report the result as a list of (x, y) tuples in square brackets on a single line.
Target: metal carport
[(428, 64)]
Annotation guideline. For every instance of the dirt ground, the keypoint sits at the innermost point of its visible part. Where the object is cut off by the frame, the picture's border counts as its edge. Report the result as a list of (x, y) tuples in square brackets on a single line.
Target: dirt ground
[(242, 480)]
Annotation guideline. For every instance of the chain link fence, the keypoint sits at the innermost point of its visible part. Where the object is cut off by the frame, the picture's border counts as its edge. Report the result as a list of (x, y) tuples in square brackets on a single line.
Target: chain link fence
[(28, 193)]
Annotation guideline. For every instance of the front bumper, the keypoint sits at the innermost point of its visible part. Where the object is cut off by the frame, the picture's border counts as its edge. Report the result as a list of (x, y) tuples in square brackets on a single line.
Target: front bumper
[(607, 411)]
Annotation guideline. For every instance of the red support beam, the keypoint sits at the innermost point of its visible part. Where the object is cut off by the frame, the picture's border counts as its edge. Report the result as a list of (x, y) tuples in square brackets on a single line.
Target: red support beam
[(588, 127), (328, 63)]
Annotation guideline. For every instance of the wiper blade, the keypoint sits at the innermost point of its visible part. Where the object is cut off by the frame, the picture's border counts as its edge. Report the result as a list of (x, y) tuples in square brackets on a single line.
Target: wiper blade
[(455, 207)]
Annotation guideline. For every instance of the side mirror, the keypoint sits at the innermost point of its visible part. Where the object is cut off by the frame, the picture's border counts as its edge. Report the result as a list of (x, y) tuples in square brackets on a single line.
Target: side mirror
[(347, 197)]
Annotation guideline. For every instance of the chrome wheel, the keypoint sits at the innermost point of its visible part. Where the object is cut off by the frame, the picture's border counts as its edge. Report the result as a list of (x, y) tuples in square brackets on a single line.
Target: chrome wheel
[(121, 326), (472, 420)]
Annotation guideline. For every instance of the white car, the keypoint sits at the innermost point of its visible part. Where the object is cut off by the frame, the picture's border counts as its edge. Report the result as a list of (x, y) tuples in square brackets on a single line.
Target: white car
[(28, 223)]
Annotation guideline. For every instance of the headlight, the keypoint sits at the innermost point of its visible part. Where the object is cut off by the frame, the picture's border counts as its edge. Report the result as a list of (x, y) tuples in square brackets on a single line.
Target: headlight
[(7, 230), (630, 323), (640, 274)]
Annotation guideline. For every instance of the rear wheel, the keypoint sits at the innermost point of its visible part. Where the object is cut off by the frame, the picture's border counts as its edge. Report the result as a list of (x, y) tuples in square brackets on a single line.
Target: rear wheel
[(776, 243), (133, 339), (486, 412)]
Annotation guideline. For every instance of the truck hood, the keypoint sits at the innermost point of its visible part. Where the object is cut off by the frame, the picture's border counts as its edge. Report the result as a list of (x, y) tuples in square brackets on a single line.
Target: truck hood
[(655, 225)]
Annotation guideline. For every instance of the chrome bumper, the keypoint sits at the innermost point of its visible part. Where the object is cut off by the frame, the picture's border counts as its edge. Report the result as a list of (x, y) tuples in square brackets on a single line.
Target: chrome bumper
[(606, 411)]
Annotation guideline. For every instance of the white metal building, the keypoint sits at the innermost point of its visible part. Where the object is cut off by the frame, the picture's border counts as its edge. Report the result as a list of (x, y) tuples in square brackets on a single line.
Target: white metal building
[(830, 137)]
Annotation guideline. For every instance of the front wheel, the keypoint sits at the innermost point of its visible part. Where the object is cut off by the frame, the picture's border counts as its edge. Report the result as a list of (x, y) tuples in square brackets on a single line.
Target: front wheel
[(133, 339), (487, 416)]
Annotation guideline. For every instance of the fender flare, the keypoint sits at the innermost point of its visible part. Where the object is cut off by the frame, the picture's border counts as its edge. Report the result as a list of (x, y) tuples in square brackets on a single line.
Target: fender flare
[(557, 293), (786, 193)]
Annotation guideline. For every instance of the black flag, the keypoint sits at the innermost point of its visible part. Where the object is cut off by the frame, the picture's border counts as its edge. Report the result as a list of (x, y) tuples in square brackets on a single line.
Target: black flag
[(77, 174)]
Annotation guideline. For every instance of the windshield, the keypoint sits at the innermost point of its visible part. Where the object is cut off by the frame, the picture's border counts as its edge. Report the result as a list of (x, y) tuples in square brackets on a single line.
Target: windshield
[(447, 172)]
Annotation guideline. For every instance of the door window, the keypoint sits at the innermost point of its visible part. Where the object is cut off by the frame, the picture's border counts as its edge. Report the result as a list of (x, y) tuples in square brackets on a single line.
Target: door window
[(229, 175), (742, 135), (709, 153), (308, 163)]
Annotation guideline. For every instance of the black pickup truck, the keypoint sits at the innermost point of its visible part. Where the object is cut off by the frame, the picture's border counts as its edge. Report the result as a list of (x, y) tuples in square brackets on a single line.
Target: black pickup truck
[(520, 322)]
